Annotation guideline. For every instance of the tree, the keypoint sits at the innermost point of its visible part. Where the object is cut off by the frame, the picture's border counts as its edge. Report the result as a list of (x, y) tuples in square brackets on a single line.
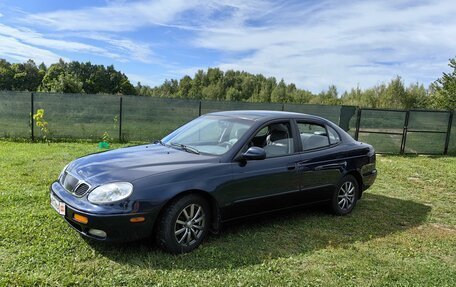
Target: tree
[(197, 84), (26, 76), (6, 75), (169, 88), (50, 82), (65, 83), (279, 94), (329, 97), (214, 91), (266, 89), (232, 94), (126, 88), (444, 96), (395, 95), (185, 85), (417, 97)]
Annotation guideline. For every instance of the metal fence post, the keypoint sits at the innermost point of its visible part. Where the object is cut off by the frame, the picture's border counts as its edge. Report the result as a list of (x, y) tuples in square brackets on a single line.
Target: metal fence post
[(404, 132), (448, 134), (32, 122), (358, 121), (199, 109), (283, 107), (120, 120)]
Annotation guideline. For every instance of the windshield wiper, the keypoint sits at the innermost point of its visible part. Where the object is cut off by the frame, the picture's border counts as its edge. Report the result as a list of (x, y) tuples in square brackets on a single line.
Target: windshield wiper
[(186, 148)]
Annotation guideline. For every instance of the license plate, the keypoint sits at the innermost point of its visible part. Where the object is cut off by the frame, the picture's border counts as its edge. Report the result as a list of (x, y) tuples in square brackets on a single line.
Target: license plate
[(58, 205)]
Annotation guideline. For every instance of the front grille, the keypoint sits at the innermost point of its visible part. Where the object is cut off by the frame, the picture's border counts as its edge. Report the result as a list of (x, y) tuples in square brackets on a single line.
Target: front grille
[(81, 189), (74, 185)]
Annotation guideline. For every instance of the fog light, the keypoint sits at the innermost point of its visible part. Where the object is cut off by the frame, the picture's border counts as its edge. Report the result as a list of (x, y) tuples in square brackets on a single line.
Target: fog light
[(137, 219), (80, 218), (97, 233)]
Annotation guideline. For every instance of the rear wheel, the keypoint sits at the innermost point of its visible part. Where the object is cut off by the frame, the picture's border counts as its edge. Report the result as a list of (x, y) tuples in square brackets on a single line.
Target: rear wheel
[(345, 196), (183, 225)]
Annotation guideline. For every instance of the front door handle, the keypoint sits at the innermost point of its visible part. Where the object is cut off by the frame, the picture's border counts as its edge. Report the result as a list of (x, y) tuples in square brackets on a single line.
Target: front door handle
[(291, 167), (299, 167)]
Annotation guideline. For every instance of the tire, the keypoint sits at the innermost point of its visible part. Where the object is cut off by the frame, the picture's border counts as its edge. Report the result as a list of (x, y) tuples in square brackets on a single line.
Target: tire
[(345, 195), (183, 225)]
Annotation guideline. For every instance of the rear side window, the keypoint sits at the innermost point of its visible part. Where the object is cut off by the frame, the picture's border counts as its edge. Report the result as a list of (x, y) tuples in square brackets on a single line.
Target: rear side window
[(313, 136), (333, 135)]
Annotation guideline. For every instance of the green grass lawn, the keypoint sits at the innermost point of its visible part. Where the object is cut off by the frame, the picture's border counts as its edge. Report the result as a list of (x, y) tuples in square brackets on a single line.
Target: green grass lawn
[(402, 233)]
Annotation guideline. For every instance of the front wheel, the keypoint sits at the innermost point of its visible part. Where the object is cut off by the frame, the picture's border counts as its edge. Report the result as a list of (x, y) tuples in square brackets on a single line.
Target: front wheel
[(345, 196), (183, 224)]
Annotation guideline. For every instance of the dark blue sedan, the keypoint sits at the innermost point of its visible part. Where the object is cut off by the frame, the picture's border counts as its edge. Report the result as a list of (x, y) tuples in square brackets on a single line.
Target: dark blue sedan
[(217, 168)]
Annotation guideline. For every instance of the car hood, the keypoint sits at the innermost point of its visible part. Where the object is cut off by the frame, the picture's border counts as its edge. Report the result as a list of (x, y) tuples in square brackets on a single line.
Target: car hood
[(129, 164)]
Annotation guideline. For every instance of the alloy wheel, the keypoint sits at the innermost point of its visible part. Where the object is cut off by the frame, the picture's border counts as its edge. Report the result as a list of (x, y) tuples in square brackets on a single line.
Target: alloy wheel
[(346, 195), (190, 224)]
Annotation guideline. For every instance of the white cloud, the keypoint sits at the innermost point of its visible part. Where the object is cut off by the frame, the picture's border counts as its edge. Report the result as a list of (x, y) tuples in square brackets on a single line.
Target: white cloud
[(114, 17), (14, 49), (345, 43), (134, 50), (116, 48), (37, 39), (121, 16)]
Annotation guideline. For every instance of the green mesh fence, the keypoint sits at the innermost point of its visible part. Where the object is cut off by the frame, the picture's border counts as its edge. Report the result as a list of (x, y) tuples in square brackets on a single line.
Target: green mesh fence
[(383, 143), (425, 143), (452, 144), (426, 132), (79, 116), (15, 114), (147, 118), (382, 121), (428, 121), (382, 129)]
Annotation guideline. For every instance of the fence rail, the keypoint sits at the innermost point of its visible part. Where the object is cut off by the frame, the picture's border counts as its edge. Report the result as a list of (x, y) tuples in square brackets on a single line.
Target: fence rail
[(140, 118)]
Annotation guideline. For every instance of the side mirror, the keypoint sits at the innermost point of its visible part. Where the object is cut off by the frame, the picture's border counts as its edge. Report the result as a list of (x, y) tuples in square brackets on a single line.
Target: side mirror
[(254, 153)]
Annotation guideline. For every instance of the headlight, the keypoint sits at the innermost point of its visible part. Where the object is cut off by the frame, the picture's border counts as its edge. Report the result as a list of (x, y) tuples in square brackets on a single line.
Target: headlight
[(111, 192)]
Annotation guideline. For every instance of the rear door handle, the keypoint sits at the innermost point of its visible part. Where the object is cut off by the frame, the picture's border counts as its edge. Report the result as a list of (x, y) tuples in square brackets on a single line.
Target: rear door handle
[(341, 164)]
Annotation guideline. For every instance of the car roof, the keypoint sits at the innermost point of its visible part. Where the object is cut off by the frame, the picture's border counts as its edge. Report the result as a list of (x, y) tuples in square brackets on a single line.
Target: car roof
[(264, 115)]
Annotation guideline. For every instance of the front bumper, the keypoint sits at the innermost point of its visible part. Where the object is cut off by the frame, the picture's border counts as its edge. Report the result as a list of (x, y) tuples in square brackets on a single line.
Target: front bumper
[(117, 227)]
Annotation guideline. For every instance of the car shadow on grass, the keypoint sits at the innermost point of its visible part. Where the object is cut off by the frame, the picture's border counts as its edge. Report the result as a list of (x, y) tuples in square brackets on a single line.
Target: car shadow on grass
[(278, 235)]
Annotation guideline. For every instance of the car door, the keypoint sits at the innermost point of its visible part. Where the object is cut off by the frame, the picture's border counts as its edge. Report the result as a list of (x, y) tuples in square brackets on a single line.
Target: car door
[(268, 184), (321, 164)]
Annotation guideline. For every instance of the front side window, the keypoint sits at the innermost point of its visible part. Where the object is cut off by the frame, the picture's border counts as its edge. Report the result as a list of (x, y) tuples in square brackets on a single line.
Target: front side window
[(313, 136), (276, 139), (212, 135)]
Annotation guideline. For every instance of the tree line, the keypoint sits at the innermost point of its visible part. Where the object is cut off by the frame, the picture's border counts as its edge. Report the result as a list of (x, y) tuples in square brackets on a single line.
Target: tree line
[(64, 77), (215, 84)]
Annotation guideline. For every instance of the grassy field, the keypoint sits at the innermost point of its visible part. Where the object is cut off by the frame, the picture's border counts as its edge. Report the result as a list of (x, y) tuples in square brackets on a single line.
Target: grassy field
[(402, 233)]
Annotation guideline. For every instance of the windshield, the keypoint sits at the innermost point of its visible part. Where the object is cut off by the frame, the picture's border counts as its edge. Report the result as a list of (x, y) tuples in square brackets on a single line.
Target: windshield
[(213, 135)]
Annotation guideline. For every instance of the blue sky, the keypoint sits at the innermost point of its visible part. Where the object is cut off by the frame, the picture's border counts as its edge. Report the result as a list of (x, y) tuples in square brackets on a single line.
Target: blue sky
[(311, 43)]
